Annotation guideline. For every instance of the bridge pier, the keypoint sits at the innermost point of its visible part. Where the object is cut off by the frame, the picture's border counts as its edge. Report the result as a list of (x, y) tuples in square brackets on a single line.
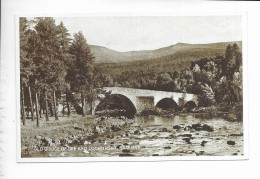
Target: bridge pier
[(144, 102)]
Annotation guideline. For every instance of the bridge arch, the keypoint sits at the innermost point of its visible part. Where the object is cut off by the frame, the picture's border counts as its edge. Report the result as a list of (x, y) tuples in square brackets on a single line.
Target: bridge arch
[(190, 105), (167, 103), (116, 101)]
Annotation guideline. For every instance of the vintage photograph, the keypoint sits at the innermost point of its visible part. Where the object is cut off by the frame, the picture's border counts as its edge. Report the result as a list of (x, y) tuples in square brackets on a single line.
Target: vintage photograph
[(130, 86)]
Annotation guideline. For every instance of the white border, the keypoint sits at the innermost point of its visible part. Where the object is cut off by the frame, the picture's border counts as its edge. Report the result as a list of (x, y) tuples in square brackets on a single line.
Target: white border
[(139, 159)]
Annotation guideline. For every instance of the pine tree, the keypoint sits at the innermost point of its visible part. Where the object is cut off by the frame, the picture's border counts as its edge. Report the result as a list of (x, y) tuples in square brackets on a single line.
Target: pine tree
[(50, 68), (26, 61), (233, 61), (81, 73), (67, 58)]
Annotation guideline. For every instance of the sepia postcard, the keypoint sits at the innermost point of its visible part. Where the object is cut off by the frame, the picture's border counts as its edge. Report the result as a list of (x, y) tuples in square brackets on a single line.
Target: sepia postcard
[(131, 88)]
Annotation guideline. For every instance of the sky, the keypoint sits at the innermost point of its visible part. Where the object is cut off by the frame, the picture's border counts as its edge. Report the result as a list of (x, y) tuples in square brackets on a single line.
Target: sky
[(133, 33)]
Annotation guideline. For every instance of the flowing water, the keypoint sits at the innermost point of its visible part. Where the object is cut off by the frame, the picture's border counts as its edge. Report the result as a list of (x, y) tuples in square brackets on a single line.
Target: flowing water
[(155, 136)]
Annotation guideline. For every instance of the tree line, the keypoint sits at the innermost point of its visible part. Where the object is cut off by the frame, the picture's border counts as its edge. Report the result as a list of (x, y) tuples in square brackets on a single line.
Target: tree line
[(51, 64), (215, 80)]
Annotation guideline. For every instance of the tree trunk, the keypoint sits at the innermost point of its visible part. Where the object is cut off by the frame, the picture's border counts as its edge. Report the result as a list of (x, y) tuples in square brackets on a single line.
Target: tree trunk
[(68, 106), (31, 103), (40, 110), (27, 114), (83, 105), (55, 107), (37, 109), (91, 110), (22, 100), (63, 107), (51, 111), (46, 105)]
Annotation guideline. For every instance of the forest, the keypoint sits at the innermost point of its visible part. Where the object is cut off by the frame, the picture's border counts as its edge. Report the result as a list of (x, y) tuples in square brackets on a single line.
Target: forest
[(55, 66), (216, 80)]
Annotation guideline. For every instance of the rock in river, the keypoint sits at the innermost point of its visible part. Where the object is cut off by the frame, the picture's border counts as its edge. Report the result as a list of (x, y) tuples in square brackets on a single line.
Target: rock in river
[(208, 128), (176, 127), (185, 135), (205, 127), (115, 128), (230, 142), (203, 143), (236, 135), (187, 128), (137, 132), (126, 151), (187, 140), (197, 127), (168, 147)]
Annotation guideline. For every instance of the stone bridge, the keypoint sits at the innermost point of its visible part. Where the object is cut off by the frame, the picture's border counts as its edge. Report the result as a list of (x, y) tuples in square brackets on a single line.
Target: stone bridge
[(144, 99)]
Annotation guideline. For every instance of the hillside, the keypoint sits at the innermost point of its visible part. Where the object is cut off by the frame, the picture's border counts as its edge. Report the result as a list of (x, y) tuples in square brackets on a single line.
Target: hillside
[(178, 57), (106, 55)]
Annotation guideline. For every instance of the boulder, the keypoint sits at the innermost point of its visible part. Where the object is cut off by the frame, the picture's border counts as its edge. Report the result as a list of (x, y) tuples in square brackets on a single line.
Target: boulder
[(185, 135), (126, 151), (203, 143), (187, 140), (208, 128), (137, 132), (171, 136), (78, 128), (168, 147), (236, 135), (115, 128), (230, 142), (187, 128), (176, 127), (155, 155), (197, 127)]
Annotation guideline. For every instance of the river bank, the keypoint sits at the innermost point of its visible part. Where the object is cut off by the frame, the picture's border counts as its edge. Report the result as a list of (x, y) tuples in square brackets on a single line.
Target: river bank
[(68, 132), (182, 134)]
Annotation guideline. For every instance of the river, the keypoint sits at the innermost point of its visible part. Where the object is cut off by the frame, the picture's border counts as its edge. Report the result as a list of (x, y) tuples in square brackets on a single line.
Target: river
[(155, 136)]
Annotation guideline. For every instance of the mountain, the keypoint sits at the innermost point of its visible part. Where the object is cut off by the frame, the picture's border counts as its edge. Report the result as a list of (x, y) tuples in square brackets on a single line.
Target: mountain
[(106, 55)]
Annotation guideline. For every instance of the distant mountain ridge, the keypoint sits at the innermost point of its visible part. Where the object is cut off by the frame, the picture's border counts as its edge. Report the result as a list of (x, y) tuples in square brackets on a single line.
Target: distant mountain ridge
[(106, 55)]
